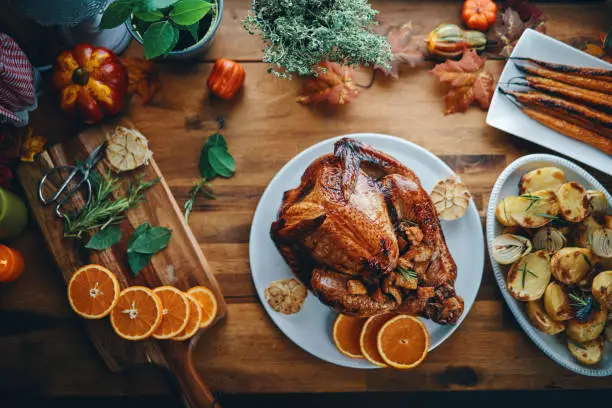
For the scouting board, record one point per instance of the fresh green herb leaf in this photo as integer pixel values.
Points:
(151, 241)
(117, 13)
(104, 239)
(160, 4)
(205, 169)
(221, 161)
(216, 139)
(199, 186)
(159, 39)
(582, 305)
(188, 12)
(587, 260)
(150, 16)
(533, 200)
(407, 273)
(576, 344)
(193, 30)
(544, 215)
(142, 228)
(525, 272)
(138, 261)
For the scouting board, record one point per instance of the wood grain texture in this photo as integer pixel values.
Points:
(265, 128)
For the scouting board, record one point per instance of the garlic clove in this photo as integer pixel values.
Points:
(451, 198)
(127, 149)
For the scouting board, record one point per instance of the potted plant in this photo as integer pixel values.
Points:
(176, 29)
(300, 34)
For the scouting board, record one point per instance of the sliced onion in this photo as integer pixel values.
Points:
(549, 239)
(602, 242)
(509, 248)
(597, 201)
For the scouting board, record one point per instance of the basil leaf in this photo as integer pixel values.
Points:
(104, 239)
(116, 13)
(151, 241)
(221, 161)
(207, 172)
(138, 261)
(216, 139)
(159, 4)
(193, 30)
(188, 12)
(158, 39)
(150, 16)
(174, 40)
(142, 228)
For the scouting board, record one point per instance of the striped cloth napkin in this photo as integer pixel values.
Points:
(17, 94)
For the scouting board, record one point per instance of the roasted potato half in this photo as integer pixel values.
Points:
(569, 265)
(544, 178)
(540, 319)
(535, 209)
(573, 202)
(589, 329)
(502, 212)
(602, 288)
(528, 277)
(589, 352)
(556, 302)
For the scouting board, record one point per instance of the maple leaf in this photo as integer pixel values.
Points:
(508, 29)
(142, 77)
(334, 83)
(32, 145)
(525, 9)
(469, 82)
(402, 51)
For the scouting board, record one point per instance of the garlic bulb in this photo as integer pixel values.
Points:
(549, 239)
(127, 149)
(451, 198)
(510, 248)
(597, 201)
(601, 242)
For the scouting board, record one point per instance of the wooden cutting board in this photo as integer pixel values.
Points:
(181, 264)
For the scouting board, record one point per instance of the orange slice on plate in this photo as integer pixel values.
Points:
(93, 291)
(175, 312)
(403, 342)
(346, 333)
(193, 323)
(209, 304)
(137, 314)
(369, 336)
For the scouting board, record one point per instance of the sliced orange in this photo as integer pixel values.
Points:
(209, 304)
(175, 312)
(403, 342)
(93, 291)
(346, 333)
(193, 324)
(369, 336)
(137, 314)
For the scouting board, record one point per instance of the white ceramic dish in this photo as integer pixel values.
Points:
(504, 115)
(507, 185)
(311, 327)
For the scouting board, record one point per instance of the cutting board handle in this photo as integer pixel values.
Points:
(195, 392)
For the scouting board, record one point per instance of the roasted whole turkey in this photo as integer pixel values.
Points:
(361, 232)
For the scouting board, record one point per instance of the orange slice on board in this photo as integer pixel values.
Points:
(93, 291)
(403, 342)
(193, 323)
(368, 339)
(209, 304)
(346, 333)
(175, 312)
(137, 314)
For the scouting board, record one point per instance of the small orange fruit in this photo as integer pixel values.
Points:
(346, 333)
(369, 336)
(403, 342)
(209, 304)
(93, 291)
(138, 313)
(175, 312)
(193, 324)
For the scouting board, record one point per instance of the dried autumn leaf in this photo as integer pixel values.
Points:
(334, 84)
(142, 77)
(32, 145)
(525, 9)
(509, 27)
(402, 51)
(469, 82)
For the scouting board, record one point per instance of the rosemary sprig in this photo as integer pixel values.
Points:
(533, 200)
(407, 273)
(101, 210)
(199, 186)
(582, 305)
(587, 260)
(526, 271)
(552, 217)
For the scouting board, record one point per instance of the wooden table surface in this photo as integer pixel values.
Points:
(43, 346)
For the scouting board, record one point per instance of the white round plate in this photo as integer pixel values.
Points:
(507, 185)
(311, 327)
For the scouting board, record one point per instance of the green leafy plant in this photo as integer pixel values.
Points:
(105, 238)
(145, 242)
(160, 22)
(300, 34)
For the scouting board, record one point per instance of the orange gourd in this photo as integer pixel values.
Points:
(226, 78)
(479, 14)
(11, 264)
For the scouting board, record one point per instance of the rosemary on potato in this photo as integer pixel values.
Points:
(533, 200)
(526, 271)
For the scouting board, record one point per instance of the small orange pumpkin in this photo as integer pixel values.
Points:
(479, 14)
(11, 264)
(226, 78)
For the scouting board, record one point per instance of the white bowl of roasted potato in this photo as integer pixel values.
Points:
(549, 232)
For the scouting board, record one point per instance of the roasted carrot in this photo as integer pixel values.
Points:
(596, 99)
(575, 120)
(595, 73)
(568, 129)
(587, 83)
(571, 108)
